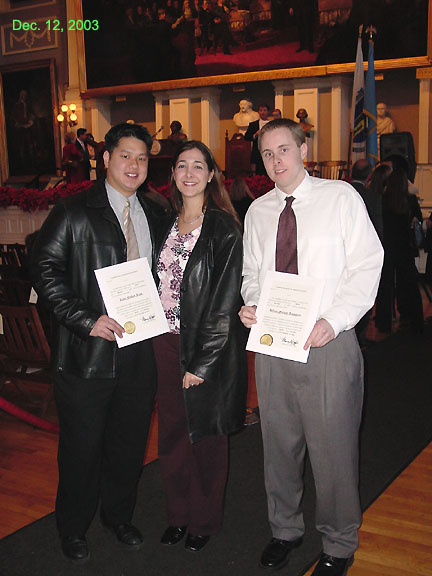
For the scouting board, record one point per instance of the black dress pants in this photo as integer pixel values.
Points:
(103, 434)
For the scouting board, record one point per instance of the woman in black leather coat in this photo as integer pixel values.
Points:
(202, 381)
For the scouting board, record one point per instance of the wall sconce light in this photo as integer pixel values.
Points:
(67, 115)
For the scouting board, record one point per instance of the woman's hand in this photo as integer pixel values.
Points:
(191, 380)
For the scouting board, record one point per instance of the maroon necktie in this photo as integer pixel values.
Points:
(286, 240)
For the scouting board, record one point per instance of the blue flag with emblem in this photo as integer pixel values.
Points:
(370, 105)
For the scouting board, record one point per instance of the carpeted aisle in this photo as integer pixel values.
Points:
(396, 427)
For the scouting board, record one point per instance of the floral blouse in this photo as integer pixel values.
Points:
(170, 268)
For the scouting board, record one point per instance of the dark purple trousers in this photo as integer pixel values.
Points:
(194, 475)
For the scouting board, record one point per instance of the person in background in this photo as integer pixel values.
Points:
(360, 174)
(72, 157)
(202, 382)
(81, 144)
(320, 229)
(400, 211)
(252, 133)
(98, 155)
(104, 394)
(177, 136)
(276, 114)
(241, 197)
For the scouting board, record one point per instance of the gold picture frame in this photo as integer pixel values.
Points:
(262, 75)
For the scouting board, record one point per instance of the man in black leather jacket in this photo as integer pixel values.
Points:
(104, 393)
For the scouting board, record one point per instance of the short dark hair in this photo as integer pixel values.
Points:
(125, 130)
(294, 127)
(361, 170)
(81, 131)
(264, 105)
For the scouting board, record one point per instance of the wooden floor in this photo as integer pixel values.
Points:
(395, 539)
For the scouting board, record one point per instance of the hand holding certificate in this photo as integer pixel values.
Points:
(131, 298)
(286, 313)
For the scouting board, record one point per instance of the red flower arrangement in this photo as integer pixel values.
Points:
(30, 200)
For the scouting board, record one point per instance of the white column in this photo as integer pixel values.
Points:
(159, 114)
(308, 98)
(100, 113)
(282, 87)
(76, 61)
(340, 107)
(210, 107)
(180, 109)
(424, 121)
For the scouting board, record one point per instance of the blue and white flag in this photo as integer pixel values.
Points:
(370, 107)
(358, 123)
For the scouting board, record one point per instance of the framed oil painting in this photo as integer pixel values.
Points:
(28, 100)
(182, 43)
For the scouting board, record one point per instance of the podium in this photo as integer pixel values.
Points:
(159, 171)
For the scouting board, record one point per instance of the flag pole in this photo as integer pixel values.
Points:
(370, 102)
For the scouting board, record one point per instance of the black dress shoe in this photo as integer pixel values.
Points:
(332, 566)
(127, 535)
(173, 535)
(75, 549)
(196, 543)
(276, 553)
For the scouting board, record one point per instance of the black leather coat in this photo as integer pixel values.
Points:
(211, 343)
(81, 234)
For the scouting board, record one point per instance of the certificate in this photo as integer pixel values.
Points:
(286, 313)
(130, 297)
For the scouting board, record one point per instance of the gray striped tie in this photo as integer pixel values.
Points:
(129, 230)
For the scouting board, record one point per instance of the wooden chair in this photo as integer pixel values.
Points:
(19, 250)
(331, 169)
(8, 258)
(24, 351)
(237, 156)
(310, 167)
(14, 292)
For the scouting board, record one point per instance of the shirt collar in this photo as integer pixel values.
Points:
(118, 200)
(299, 192)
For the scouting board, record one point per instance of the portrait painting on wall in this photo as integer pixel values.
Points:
(27, 101)
(144, 41)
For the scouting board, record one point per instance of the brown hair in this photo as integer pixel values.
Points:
(396, 195)
(239, 189)
(294, 127)
(214, 189)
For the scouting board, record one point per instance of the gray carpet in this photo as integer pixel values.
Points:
(397, 425)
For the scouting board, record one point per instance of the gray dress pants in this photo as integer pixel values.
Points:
(316, 406)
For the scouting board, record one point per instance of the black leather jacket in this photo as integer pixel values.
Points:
(211, 345)
(80, 234)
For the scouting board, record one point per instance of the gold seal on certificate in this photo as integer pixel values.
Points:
(266, 339)
(129, 327)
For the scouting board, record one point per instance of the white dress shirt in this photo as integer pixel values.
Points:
(336, 242)
(138, 217)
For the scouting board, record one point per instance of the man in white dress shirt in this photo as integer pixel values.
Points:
(316, 405)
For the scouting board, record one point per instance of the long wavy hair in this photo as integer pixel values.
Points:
(215, 189)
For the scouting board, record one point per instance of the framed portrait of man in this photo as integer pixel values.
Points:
(27, 126)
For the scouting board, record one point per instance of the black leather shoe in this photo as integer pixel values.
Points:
(196, 543)
(75, 549)
(332, 566)
(173, 535)
(127, 535)
(276, 553)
